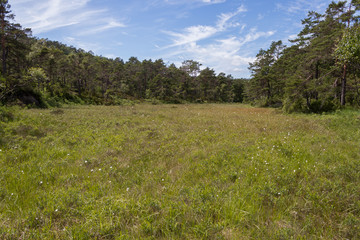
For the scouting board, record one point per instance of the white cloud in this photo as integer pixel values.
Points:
(303, 6)
(194, 34)
(106, 24)
(46, 15)
(225, 55)
(191, 1)
(213, 1)
(222, 55)
(94, 47)
(228, 54)
(224, 18)
(254, 35)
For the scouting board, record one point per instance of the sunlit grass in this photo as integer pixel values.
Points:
(179, 172)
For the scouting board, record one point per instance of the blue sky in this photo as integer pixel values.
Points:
(221, 34)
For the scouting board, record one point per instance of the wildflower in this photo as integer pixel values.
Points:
(127, 189)
(110, 167)
(99, 169)
(85, 161)
(41, 182)
(162, 179)
(56, 210)
(0, 150)
(294, 170)
(92, 170)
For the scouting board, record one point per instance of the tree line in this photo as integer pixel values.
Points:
(318, 72)
(43, 72)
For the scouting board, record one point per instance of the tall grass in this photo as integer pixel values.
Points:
(179, 172)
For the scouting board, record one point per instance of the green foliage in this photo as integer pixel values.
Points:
(6, 114)
(305, 77)
(46, 73)
(348, 49)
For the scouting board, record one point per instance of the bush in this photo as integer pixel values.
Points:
(6, 114)
(319, 106)
(294, 104)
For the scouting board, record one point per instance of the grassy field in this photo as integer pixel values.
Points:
(179, 172)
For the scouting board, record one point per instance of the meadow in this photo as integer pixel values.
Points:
(207, 171)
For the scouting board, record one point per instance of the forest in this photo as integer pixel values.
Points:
(319, 72)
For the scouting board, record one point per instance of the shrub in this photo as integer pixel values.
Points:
(6, 114)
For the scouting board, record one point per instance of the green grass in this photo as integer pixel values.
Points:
(179, 172)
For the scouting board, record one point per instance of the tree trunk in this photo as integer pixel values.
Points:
(343, 87)
(3, 45)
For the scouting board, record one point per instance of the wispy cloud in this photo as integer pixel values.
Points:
(87, 46)
(213, 1)
(191, 34)
(46, 15)
(106, 24)
(192, 1)
(225, 54)
(297, 6)
(196, 33)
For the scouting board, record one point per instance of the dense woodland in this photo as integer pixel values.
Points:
(318, 72)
